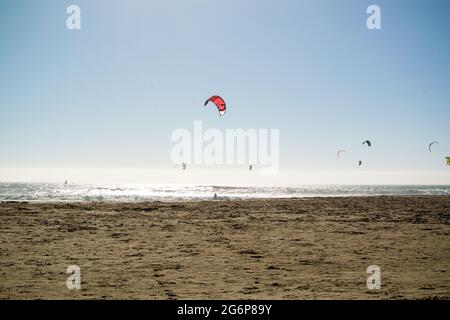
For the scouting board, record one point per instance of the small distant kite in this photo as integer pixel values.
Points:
(339, 153)
(448, 160)
(368, 143)
(429, 146)
(359, 163)
(219, 102)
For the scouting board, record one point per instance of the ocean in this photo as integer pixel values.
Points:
(43, 192)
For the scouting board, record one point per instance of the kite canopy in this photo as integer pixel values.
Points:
(219, 102)
(368, 143)
(429, 146)
(339, 153)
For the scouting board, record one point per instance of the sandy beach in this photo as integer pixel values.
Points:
(311, 248)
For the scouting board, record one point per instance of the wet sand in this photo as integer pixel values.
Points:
(314, 248)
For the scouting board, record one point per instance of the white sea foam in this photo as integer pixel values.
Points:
(142, 192)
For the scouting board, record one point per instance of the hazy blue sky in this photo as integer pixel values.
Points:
(110, 95)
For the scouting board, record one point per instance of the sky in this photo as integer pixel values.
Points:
(100, 103)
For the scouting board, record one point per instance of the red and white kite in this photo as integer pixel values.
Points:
(219, 102)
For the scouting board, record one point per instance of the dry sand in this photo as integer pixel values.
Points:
(316, 248)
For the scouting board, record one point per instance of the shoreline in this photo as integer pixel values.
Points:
(289, 248)
(140, 201)
(180, 193)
